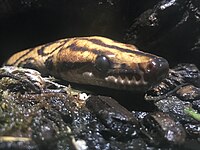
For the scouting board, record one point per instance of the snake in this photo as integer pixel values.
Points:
(96, 61)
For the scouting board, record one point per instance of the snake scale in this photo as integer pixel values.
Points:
(95, 61)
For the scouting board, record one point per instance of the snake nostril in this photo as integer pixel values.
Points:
(149, 67)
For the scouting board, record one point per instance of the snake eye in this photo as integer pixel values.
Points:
(102, 63)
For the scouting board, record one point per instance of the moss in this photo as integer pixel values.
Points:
(192, 113)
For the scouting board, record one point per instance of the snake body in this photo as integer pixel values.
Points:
(95, 61)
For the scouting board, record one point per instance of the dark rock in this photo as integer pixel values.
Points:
(188, 93)
(177, 92)
(114, 116)
(52, 119)
(176, 108)
(178, 96)
(16, 145)
(193, 130)
(164, 29)
(160, 129)
(179, 76)
(196, 105)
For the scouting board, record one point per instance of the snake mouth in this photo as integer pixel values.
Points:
(140, 78)
(127, 80)
(143, 76)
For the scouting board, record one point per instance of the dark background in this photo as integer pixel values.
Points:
(166, 28)
(27, 23)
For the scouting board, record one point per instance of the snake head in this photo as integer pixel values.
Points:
(103, 62)
(132, 76)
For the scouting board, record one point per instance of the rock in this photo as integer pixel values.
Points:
(163, 29)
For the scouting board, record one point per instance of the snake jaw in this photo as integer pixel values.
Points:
(131, 80)
(119, 81)
(126, 81)
(141, 76)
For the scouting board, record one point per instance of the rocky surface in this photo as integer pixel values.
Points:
(173, 31)
(38, 113)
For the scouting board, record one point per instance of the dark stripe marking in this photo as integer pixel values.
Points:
(41, 51)
(17, 60)
(29, 63)
(74, 47)
(49, 63)
(99, 42)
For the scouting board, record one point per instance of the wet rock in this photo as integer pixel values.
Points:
(178, 96)
(56, 117)
(163, 29)
(193, 130)
(179, 76)
(33, 117)
(160, 129)
(22, 80)
(188, 93)
(114, 116)
(17, 143)
(196, 105)
(176, 108)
